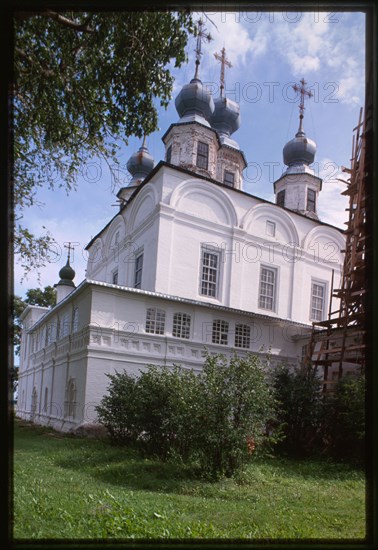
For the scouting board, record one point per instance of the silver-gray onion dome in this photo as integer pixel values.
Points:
(66, 274)
(226, 116)
(140, 164)
(194, 99)
(300, 150)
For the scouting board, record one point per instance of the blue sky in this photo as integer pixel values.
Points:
(268, 53)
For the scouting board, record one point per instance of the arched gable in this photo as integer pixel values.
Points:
(205, 201)
(325, 244)
(117, 227)
(254, 221)
(142, 206)
(96, 255)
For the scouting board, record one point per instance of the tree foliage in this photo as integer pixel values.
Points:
(83, 83)
(218, 417)
(344, 419)
(299, 394)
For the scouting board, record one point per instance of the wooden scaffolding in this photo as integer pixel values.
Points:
(338, 344)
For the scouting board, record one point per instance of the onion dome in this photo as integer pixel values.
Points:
(140, 164)
(194, 100)
(66, 274)
(226, 116)
(300, 150)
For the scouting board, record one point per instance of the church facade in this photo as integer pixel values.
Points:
(190, 263)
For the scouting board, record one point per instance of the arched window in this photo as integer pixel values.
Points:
(34, 402)
(70, 402)
(46, 399)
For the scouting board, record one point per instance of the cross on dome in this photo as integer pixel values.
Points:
(69, 248)
(224, 63)
(303, 92)
(201, 35)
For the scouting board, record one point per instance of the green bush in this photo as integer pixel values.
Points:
(165, 403)
(118, 410)
(299, 393)
(218, 417)
(344, 419)
(151, 410)
(235, 406)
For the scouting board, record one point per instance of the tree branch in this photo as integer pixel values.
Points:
(84, 27)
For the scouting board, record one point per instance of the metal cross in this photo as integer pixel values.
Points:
(303, 91)
(201, 35)
(224, 62)
(69, 247)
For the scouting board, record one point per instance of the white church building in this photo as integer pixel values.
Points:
(191, 262)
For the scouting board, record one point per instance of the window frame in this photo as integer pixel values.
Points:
(115, 276)
(181, 325)
(216, 253)
(272, 225)
(138, 270)
(311, 203)
(281, 196)
(323, 285)
(154, 321)
(75, 319)
(273, 270)
(204, 163)
(168, 154)
(229, 183)
(242, 338)
(220, 329)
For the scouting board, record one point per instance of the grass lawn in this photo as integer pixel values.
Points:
(69, 487)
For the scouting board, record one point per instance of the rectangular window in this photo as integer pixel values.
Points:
(65, 326)
(138, 271)
(181, 325)
(220, 332)
(270, 229)
(311, 200)
(115, 278)
(202, 155)
(229, 178)
(281, 198)
(75, 319)
(317, 301)
(169, 154)
(242, 335)
(155, 320)
(267, 292)
(209, 273)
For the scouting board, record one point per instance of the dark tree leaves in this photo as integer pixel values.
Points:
(84, 83)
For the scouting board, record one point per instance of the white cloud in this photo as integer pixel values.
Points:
(332, 204)
(304, 64)
(347, 90)
(310, 46)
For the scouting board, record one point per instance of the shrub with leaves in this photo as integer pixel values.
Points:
(235, 407)
(154, 410)
(218, 417)
(166, 401)
(344, 414)
(118, 410)
(299, 394)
